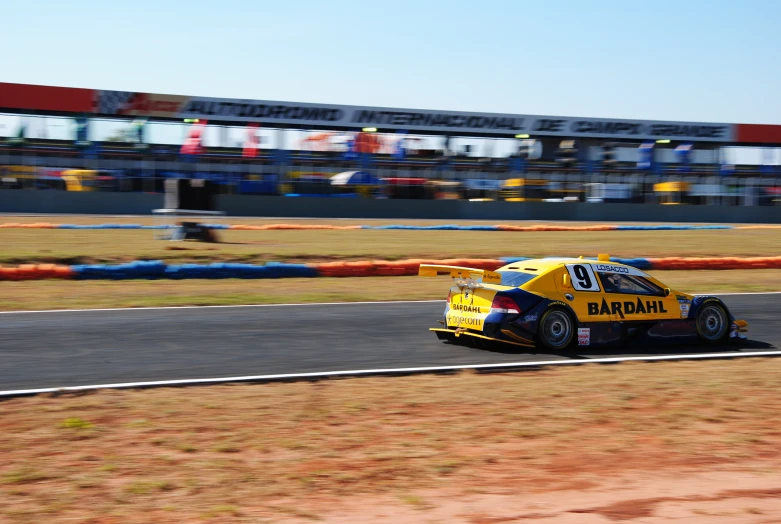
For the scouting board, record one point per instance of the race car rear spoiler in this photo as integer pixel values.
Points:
(488, 277)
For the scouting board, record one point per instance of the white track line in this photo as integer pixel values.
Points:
(391, 371)
(305, 304)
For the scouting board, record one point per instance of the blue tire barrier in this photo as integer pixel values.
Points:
(155, 269)
(670, 228)
(442, 227)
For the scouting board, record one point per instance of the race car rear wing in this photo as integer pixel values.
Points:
(488, 277)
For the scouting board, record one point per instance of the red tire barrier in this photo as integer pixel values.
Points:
(507, 227)
(690, 263)
(284, 227)
(396, 267)
(36, 272)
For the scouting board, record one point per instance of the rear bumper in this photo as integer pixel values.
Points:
(454, 334)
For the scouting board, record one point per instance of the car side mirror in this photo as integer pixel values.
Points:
(667, 291)
(565, 282)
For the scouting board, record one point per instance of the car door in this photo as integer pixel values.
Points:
(633, 297)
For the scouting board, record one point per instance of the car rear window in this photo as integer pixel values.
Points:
(515, 278)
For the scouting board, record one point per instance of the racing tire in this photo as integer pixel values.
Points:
(712, 323)
(556, 329)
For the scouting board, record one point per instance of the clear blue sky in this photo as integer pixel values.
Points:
(683, 60)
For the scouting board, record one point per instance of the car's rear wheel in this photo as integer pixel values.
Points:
(556, 329)
(712, 323)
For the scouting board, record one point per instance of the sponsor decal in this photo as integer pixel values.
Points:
(465, 321)
(624, 128)
(549, 125)
(530, 318)
(596, 127)
(262, 110)
(584, 336)
(465, 309)
(682, 300)
(689, 130)
(442, 120)
(138, 104)
(611, 269)
(684, 309)
(492, 277)
(627, 307)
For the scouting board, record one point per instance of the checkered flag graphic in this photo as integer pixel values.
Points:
(111, 102)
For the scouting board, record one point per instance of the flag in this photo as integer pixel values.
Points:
(251, 141)
(684, 155)
(19, 137)
(399, 151)
(137, 131)
(350, 153)
(82, 132)
(193, 144)
(645, 155)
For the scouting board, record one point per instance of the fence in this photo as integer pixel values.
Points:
(534, 186)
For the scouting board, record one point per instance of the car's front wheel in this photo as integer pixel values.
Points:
(556, 329)
(712, 323)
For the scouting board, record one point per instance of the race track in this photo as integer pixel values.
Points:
(74, 348)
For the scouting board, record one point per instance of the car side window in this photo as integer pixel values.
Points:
(630, 285)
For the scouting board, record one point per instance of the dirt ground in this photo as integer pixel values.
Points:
(693, 442)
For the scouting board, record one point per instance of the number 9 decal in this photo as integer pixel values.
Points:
(582, 276)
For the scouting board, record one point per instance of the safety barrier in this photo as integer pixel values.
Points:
(716, 263)
(272, 227)
(155, 269)
(438, 227)
(36, 272)
(396, 268)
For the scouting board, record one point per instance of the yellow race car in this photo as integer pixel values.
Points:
(557, 303)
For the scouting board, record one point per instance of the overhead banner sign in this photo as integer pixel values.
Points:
(354, 118)
(443, 121)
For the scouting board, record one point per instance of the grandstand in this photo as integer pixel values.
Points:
(58, 138)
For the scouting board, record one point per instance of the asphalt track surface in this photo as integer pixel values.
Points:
(75, 348)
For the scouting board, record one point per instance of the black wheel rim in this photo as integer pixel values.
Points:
(557, 329)
(712, 323)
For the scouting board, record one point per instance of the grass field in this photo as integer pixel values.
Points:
(114, 246)
(462, 448)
